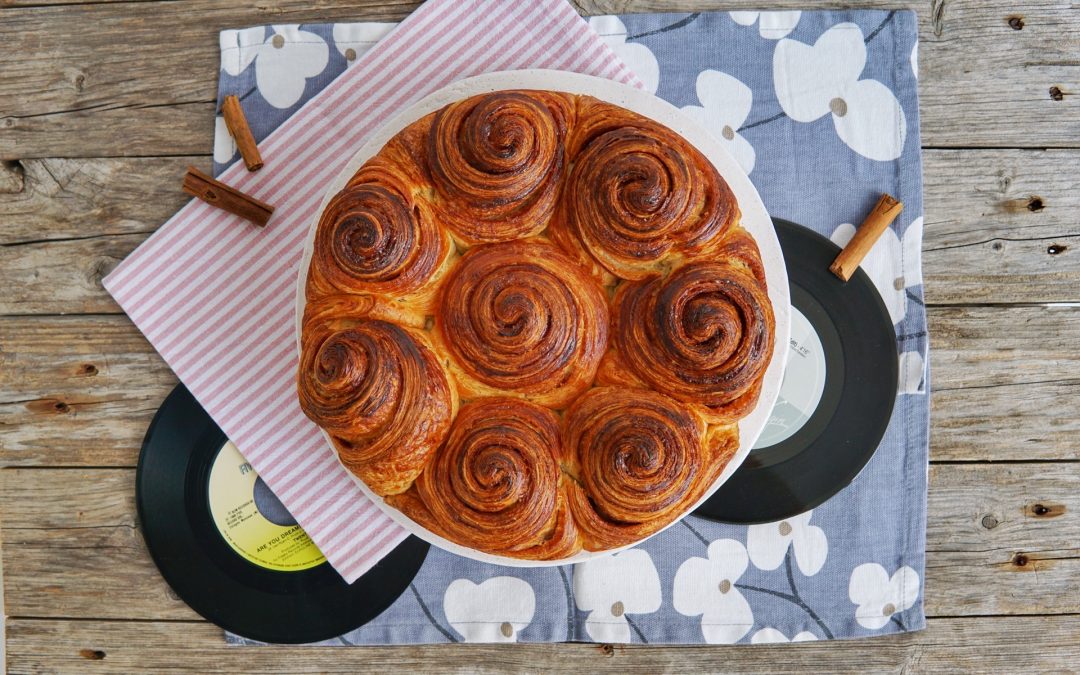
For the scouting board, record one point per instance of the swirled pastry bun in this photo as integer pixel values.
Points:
(496, 483)
(497, 162)
(639, 197)
(374, 239)
(380, 393)
(640, 459)
(521, 319)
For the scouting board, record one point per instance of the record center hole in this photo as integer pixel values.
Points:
(506, 629)
(271, 508)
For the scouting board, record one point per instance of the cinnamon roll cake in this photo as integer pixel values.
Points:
(533, 322)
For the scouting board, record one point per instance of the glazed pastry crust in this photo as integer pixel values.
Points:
(533, 322)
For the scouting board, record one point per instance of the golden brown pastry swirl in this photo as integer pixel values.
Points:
(638, 193)
(494, 484)
(381, 394)
(497, 162)
(521, 318)
(373, 239)
(704, 335)
(640, 462)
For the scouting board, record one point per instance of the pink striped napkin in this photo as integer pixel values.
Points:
(214, 295)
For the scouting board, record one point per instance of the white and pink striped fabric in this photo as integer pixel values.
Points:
(215, 296)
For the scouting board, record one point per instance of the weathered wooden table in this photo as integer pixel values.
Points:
(104, 102)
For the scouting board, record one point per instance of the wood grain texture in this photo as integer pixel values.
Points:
(77, 391)
(1000, 227)
(1004, 382)
(67, 532)
(75, 95)
(975, 645)
(52, 199)
(95, 142)
(69, 86)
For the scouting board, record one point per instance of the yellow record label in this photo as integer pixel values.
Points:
(252, 520)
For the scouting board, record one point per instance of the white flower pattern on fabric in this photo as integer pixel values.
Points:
(879, 596)
(772, 636)
(915, 60)
(637, 57)
(239, 48)
(286, 60)
(609, 588)
(767, 544)
(893, 266)
(353, 39)
(283, 61)
(493, 611)
(224, 145)
(814, 80)
(911, 249)
(706, 586)
(773, 25)
(725, 105)
(912, 374)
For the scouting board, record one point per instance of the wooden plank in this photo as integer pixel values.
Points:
(1000, 227)
(77, 390)
(49, 199)
(74, 95)
(62, 276)
(80, 391)
(1004, 383)
(995, 644)
(72, 549)
(1008, 529)
(79, 552)
(76, 90)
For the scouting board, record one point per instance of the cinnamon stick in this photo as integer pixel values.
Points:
(241, 132)
(216, 193)
(886, 211)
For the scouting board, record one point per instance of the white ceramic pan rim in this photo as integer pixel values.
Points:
(755, 219)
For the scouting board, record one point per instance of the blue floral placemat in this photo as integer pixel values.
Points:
(821, 109)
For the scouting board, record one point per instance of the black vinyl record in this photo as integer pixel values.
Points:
(837, 397)
(242, 562)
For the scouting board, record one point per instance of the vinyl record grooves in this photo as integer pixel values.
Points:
(837, 396)
(216, 550)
